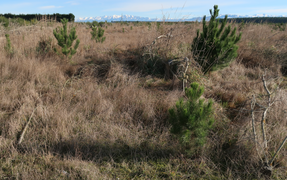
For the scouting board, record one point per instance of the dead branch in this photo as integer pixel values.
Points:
(270, 102)
(25, 129)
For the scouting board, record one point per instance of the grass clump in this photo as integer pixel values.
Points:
(44, 47)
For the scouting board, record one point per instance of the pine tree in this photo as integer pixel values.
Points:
(192, 119)
(66, 40)
(8, 47)
(98, 34)
(214, 48)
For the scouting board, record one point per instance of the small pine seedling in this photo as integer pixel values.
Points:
(66, 40)
(98, 34)
(192, 119)
(8, 48)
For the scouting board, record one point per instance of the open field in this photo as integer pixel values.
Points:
(103, 114)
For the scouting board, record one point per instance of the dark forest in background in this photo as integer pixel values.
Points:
(259, 20)
(29, 17)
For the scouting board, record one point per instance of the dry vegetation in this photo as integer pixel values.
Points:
(101, 116)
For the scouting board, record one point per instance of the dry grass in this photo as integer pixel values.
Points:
(99, 117)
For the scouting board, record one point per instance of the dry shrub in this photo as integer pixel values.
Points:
(44, 48)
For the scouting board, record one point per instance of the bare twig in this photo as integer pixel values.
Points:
(263, 121)
(183, 73)
(62, 91)
(280, 147)
(269, 104)
(162, 36)
(185, 77)
(26, 127)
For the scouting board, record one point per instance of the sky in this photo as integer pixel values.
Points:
(144, 8)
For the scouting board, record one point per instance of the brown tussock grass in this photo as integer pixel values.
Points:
(99, 116)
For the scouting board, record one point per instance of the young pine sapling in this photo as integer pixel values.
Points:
(66, 40)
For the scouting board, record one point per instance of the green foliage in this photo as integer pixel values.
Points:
(259, 20)
(154, 66)
(4, 21)
(192, 119)
(102, 24)
(131, 28)
(241, 26)
(158, 25)
(89, 24)
(138, 23)
(280, 26)
(34, 17)
(8, 48)
(95, 24)
(149, 25)
(33, 21)
(123, 30)
(19, 21)
(66, 40)
(98, 34)
(214, 48)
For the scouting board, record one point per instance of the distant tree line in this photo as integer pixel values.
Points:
(275, 20)
(258, 20)
(29, 17)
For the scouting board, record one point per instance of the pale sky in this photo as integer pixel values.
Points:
(144, 8)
